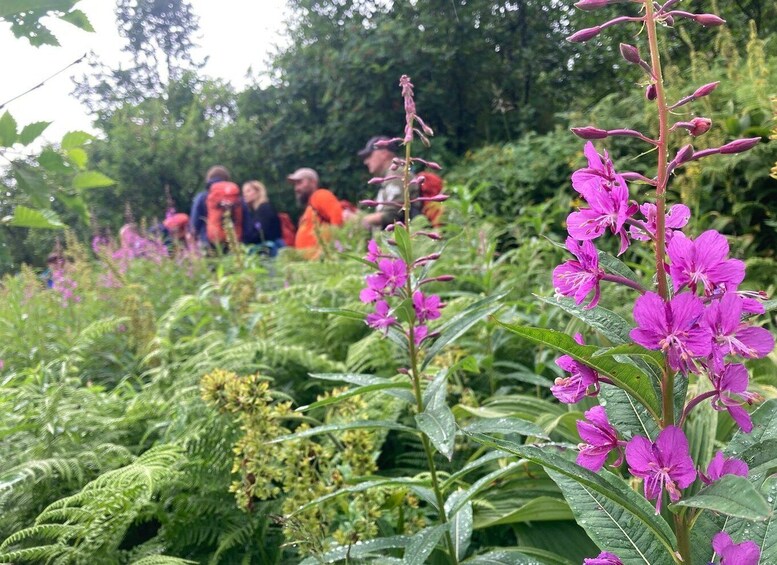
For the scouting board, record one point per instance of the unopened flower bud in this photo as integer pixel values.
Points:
(668, 20)
(369, 202)
(588, 5)
(684, 155)
(740, 145)
(651, 92)
(706, 89)
(590, 132)
(630, 53)
(584, 34)
(708, 20)
(699, 126)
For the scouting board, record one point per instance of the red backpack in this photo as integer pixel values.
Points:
(288, 231)
(431, 186)
(223, 198)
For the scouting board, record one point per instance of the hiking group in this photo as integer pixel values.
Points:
(224, 213)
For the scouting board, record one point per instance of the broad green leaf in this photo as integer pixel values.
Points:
(78, 19)
(439, 425)
(505, 426)
(761, 458)
(24, 217)
(764, 428)
(78, 157)
(7, 130)
(608, 323)
(614, 516)
(461, 322)
(764, 532)
(53, 161)
(31, 132)
(361, 487)
(460, 522)
(74, 139)
(518, 556)
(627, 415)
(30, 181)
(330, 428)
(541, 508)
(626, 376)
(633, 350)
(356, 392)
(617, 267)
(730, 495)
(423, 543)
(342, 312)
(361, 549)
(91, 179)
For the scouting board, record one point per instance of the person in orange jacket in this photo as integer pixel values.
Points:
(322, 209)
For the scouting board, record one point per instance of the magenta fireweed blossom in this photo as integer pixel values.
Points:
(600, 439)
(703, 262)
(381, 318)
(745, 553)
(665, 464)
(676, 217)
(426, 307)
(600, 171)
(731, 392)
(573, 388)
(609, 208)
(420, 333)
(674, 327)
(391, 276)
(373, 251)
(577, 279)
(720, 466)
(604, 558)
(731, 335)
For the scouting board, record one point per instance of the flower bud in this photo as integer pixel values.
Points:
(651, 92)
(706, 89)
(588, 5)
(630, 53)
(699, 126)
(740, 145)
(684, 155)
(590, 132)
(584, 34)
(708, 20)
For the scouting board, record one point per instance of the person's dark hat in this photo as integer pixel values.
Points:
(371, 146)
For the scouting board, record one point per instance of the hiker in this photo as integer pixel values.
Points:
(220, 198)
(261, 225)
(378, 156)
(322, 209)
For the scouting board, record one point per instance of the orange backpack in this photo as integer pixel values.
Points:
(431, 186)
(288, 231)
(223, 198)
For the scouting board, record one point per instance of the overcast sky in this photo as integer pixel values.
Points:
(234, 34)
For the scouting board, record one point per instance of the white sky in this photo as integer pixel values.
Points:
(234, 34)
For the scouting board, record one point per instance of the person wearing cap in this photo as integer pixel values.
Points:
(322, 209)
(378, 156)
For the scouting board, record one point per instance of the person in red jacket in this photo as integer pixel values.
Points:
(322, 209)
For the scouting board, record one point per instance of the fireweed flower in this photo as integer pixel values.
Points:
(573, 388)
(373, 251)
(676, 217)
(745, 553)
(577, 279)
(600, 439)
(420, 333)
(604, 558)
(391, 276)
(674, 327)
(731, 392)
(381, 318)
(732, 336)
(703, 262)
(663, 464)
(426, 307)
(600, 171)
(608, 208)
(720, 466)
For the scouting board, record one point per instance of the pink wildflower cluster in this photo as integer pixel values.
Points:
(65, 285)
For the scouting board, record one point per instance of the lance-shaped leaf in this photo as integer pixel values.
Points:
(505, 426)
(763, 532)
(609, 324)
(377, 387)
(460, 521)
(423, 543)
(358, 425)
(624, 375)
(730, 495)
(360, 549)
(439, 425)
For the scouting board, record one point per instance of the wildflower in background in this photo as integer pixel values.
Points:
(745, 553)
(703, 262)
(720, 466)
(676, 217)
(731, 335)
(577, 279)
(381, 319)
(426, 307)
(604, 558)
(574, 388)
(731, 392)
(674, 327)
(373, 251)
(600, 439)
(663, 464)
(608, 208)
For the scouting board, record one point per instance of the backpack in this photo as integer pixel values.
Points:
(288, 231)
(431, 186)
(223, 198)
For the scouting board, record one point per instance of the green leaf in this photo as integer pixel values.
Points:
(423, 543)
(632, 349)
(78, 157)
(342, 312)
(31, 132)
(461, 322)
(7, 130)
(542, 508)
(78, 19)
(359, 425)
(73, 139)
(12, 7)
(627, 415)
(439, 425)
(53, 161)
(486, 481)
(609, 324)
(460, 521)
(730, 495)
(626, 376)
(356, 392)
(30, 181)
(24, 217)
(764, 532)
(617, 267)
(362, 549)
(472, 465)
(91, 179)
(518, 556)
(403, 243)
(505, 426)
(615, 517)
